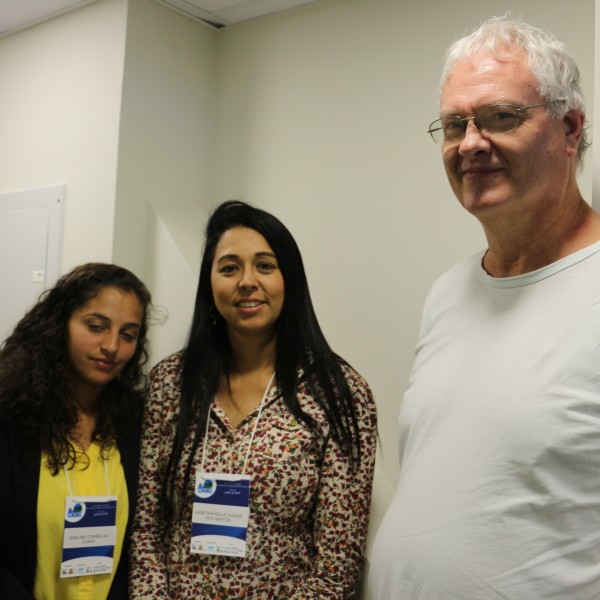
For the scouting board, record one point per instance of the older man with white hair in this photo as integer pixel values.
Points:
(499, 488)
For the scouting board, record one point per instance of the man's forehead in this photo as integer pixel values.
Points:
(497, 74)
(484, 61)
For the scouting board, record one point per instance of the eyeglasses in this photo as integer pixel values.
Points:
(497, 118)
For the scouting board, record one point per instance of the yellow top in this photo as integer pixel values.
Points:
(53, 491)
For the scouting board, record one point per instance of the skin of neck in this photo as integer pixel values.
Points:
(86, 399)
(252, 353)
(520, 244)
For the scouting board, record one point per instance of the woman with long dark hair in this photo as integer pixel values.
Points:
(71, 400)
(259, 441)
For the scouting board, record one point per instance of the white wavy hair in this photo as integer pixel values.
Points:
(551, 64)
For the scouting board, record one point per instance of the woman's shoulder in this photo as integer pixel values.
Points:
(353, 377)
(165, 386)
(15, 418)
(360, 390)
(6, 424)
(168, 368)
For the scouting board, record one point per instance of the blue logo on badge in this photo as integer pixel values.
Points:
(206, 488)
(75, 511)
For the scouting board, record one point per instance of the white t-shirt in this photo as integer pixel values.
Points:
(499, 488)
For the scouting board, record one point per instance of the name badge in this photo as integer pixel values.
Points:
(220, 514)
(89, 536)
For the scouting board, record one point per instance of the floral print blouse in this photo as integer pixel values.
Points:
(309, 511)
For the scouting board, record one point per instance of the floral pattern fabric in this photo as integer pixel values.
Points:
(309, 510)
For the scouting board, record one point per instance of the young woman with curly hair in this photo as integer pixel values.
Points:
(71, 396)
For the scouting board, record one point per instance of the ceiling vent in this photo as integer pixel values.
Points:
(195, 12)
(220, 13)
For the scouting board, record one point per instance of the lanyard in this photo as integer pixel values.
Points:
(105, 477)
(262, 402)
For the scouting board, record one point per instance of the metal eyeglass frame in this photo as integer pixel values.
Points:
(518, 109)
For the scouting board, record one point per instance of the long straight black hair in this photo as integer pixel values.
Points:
(301, 347)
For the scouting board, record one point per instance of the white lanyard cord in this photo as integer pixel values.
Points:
(105, 478)
(262, 403)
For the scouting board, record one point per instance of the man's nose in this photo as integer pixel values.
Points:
(474, 141)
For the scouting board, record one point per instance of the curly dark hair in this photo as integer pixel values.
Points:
(36, 395)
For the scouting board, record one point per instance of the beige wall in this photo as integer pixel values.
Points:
(165, 159)
(59, 118)
(594, 161)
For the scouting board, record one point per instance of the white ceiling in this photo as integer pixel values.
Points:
(18, 14)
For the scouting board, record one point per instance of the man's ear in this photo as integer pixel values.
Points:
(574, 121)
